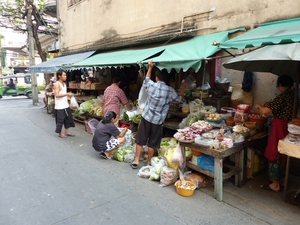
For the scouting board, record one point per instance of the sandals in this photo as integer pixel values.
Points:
(104, 156)
(267, 187)
(70, 135)
(62, 136)
(133, 165)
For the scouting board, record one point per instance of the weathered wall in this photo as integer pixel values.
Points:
(94, 24)
(91, 22)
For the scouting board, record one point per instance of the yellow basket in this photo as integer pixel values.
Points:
(185, 192)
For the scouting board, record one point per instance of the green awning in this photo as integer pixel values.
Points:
(190, 53)
(120, 58)
(279, 32)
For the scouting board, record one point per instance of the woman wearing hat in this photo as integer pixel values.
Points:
(107, 136)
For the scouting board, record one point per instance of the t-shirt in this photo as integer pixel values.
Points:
(282, 105)
(102, 134)
(113, 98)
(157, 104)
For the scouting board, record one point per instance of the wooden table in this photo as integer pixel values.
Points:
(219, 156)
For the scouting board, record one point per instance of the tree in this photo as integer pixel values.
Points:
(27, 16)
(14, 13)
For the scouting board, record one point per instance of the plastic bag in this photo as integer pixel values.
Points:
(206, 162)
(143, 95)
(177, 156)
(200, 180)
(92, 123)
(73, 103)
(168, 155)
(157, 167)
(168, 176)
(145, 171)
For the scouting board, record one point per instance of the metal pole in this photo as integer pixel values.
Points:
(31, 56)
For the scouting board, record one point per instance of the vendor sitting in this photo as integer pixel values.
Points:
(107, 136)
(10, 85)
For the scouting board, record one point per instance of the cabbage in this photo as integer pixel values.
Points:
(86, 107)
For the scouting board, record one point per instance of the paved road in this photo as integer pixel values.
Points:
(49, 180)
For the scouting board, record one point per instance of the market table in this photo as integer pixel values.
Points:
(291, 150)
(219, 155)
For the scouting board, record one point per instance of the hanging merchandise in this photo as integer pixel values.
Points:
(247, 81)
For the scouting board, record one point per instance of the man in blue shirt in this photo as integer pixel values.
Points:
(154, 114)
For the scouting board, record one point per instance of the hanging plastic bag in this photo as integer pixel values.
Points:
(143, 95)
(73, 103)
(177, 156)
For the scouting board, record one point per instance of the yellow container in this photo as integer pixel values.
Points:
(256, 164)
(183, 191)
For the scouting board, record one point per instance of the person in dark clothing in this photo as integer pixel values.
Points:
(107, 136)
(9, 86)
(282, 109)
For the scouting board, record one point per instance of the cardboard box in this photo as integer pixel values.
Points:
(82, 85)
(98, 86)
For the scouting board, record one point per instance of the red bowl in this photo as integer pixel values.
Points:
(256, 117)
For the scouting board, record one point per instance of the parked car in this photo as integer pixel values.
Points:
(22, 85)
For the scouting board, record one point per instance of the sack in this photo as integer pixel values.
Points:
(200, 180)
(73, 103)
(143, 95)
(168, 176)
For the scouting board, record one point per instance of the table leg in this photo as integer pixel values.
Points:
(287, 172)
(239, 165)
(218, 179)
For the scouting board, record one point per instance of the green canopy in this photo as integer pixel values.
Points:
(185, 54)
(190, 53)
(120, 58)
(278, 32)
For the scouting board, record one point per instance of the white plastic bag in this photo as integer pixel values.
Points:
(177, 156)
(73, 103)
(145, 172)
(143, 95)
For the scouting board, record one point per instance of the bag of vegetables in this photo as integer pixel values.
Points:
(157, 163)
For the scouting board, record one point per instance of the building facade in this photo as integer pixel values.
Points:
(86, 25)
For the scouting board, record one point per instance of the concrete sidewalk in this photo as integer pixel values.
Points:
(51, 180)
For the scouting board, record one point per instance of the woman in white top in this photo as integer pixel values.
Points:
(63, 115)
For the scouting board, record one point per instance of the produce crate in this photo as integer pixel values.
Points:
(97, 86)
(175, 107)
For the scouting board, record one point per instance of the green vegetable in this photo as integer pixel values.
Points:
(188, 152)
(86, 107)
(192, 118)
(136, 118)
(164, 143)
(125, 117)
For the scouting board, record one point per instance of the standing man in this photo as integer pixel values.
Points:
(114, 97)
(63, 115)
(154, 114)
